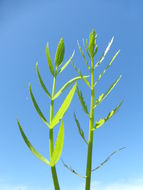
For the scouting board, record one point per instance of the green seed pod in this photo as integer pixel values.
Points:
(60, 53)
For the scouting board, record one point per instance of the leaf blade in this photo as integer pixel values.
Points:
(37, 107)
(31, 148)
(109, 116)
(80, 129)
(58, 146)
(66, 85)
(81, 99)
(49, 60)
(104, 54)
(62, 110)
(67, 63)
(103, 96)
(79, 73)
(41, 82)
(108, 66)
(107, 159)
(60, 53)
(86, 62)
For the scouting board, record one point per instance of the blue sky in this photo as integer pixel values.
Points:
(25, 28)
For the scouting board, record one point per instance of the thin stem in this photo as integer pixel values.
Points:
(91, 125)
(51, 143)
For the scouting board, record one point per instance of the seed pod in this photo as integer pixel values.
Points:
(60, 53)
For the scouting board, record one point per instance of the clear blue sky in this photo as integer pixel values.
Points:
(25, 28)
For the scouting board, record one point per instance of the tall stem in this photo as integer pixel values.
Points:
(51, 143)
(91, 125)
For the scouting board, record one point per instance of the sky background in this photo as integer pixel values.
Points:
(25, 28)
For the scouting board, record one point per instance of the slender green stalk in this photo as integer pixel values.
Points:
(51, 143)
(91, 126)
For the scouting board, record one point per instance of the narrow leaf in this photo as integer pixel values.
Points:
(80, 129)
(79, 73)
(60, 53)
(37, 107)
(58, 146)
(65, 86)
(110, 115)
(80, 96)
(59, 115)
(29, 145)
(100, 76)
(104, 54)
(66, 64)
(103, 96)
(49, 60)
(85, 47)
(72, 170)
(107, 159)
(41, 82)
(86, 62)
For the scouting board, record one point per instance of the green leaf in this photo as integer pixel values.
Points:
(100, 76)
(59, 115)
(95, 51)
(41, 82)
(107, 159)
(86, 48)
(37, 107)
(104, 54)
(79, 73)
(86, 62)
(80, 129)
(58, 146)
(103, 96)
(65, 86)
(66, 64)
(110, 115)
(49, 60)
(80, 96)
(60, 53)
(32, 149)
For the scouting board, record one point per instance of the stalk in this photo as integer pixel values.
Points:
(91, 125)
(51, 143)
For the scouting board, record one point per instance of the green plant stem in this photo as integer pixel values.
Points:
(51, 143)
(91, 125)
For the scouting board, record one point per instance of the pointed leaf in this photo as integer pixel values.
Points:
(37, 107)
(104, 54)
(86, 48)
(60, 53)
(41, 82)
(103, 96)
(84, 57)
(107, 159)
(100, 76)
(80, 96)
(59, 115)
(32, 149)
(66, 64)
(72, 170)
(95, 51)
(110, 115)
(49, 60)
(80, 129)
(58, 146)
(65, 86)
(79, 73)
